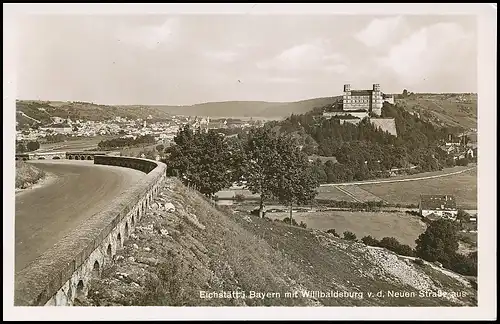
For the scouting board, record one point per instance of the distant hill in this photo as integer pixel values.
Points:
(448, 109)
(441, 109)
(31, 112)
(261, 109)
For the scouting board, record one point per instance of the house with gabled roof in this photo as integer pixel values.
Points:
(438, 206)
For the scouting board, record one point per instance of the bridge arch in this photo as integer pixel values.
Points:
(56, 158)
(41, 158)
(70, 157)
(119, 240)
(109, 251)
(80, 289)
(96, 270)
(89, 157)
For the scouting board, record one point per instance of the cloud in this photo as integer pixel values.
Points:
(277, 79)
(314, 55)
(379, 31)
(428, 51)
(149, 37)
(337, 68)
(224, 56)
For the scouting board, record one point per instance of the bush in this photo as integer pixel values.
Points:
(27, 175)
(239, 197)
(464, 264)
(350, 236)
(368, 240)
(286, 220)
(419, 262)
(303, 225)
(32, 146)
(392, 244)
(333, 231)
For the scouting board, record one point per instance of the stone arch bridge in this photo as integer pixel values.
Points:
(89, 155)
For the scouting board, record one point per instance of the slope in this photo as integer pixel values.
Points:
(444, 109)
(187, 252)
(260, 109)
(44, 110)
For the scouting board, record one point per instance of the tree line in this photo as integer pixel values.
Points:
(30, 146)
(269, 163)
(126, 141)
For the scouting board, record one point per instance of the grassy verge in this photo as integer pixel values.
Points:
(27, 175)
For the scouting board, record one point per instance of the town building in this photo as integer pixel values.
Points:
(438, 206)
(58, 128)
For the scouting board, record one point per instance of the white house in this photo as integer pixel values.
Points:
(433, 206)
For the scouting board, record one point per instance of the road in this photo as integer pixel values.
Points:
(396, 180)
(78, 190)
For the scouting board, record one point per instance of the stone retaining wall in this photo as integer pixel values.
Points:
(63, 272)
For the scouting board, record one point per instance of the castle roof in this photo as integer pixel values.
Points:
(361, 92)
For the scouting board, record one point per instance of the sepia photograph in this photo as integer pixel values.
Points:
(250, 161)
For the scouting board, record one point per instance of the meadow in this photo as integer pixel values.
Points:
(463, 186)
(405, 228)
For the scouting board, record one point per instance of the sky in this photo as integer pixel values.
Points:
(189, 59)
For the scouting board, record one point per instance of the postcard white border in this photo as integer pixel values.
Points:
(487, 38)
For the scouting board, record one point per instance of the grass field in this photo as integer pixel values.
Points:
(333, 193)
(403, 227)
(73, 145)
(463, 186)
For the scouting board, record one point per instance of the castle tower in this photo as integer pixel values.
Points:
(346, 101)
(377, 100)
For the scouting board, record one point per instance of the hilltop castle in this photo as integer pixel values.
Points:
(359, 100)
(360, 104)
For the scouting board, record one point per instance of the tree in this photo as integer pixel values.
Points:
(20, 147)
(212, 169)
(462, 216)
(297, 182)
(405, 93)
(32, 146)
(439, 242)
(199, 159)
(261, 164)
